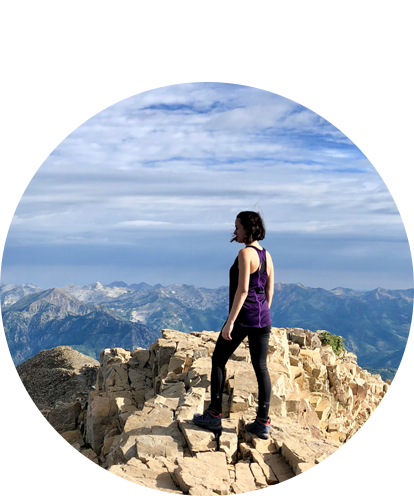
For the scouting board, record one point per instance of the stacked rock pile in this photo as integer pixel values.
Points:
(137, 422)
(341, 394)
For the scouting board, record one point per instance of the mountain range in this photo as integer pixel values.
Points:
(45, 319)
(10, 293)
(178, 306)
(374, 324)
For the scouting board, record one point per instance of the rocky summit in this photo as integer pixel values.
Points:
(60, 374)
(137, 420)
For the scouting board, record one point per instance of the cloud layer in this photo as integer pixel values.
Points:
(168, 170)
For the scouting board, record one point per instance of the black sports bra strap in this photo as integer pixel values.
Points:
(262, 266)
(251, 246)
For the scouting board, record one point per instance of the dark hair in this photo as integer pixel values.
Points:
(254, 225)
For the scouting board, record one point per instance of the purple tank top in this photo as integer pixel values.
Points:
(255, 310)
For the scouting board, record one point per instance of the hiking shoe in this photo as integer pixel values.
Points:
(260, 428)
(208, 420)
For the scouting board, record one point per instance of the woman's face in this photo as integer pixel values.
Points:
(239, 231)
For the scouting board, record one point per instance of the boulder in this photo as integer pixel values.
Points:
(64, 416)
(199, 473)
(101, 410)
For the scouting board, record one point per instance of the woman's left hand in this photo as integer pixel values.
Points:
(227, 330)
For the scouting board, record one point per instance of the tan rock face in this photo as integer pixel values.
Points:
(194, 474)
(190, 403)
(138, 422)
(101, 411)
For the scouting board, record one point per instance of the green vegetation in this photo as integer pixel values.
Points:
(385, 373)
(337, 342)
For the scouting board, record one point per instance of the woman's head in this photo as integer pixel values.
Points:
(249, 227)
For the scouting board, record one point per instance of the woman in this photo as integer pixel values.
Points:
(251, 293)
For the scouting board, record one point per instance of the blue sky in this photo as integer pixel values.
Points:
(148, 190)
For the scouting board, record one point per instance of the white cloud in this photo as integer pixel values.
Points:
(187, 158)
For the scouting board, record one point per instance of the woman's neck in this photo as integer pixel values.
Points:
(255, 243)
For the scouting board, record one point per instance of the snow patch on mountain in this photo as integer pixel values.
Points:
(96, 292)
(11, 293)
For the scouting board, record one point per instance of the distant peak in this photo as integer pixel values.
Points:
(118, 284)
(339, 290)
(54, 291)
(96, 285)
(51, 295)
(142, 286)
(282, 285)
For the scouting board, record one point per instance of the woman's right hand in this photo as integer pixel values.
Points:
(226, 331)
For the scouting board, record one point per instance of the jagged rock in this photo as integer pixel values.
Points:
(266, 469)
(323, 408)
(278, 351)
(206, 470)
(156, 434)
(190, 403)
(64, 416)
(173, 390)
(278, 464)
(198, 374)
(103, 409)
(259, 477)
(244, 480)
(244, 385)
(298, 336)
(200, 440)
(138, 420)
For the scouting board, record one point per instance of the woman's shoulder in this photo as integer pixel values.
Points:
(246, 255)
(269, 258)
(244, 252)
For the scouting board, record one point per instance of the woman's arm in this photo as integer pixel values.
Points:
(241, 293)
(270, 283)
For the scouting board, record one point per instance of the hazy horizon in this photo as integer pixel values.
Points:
(199, 287)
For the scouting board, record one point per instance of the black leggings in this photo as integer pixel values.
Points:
(258, 345)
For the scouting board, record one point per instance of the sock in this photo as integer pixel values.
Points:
(214, 412)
